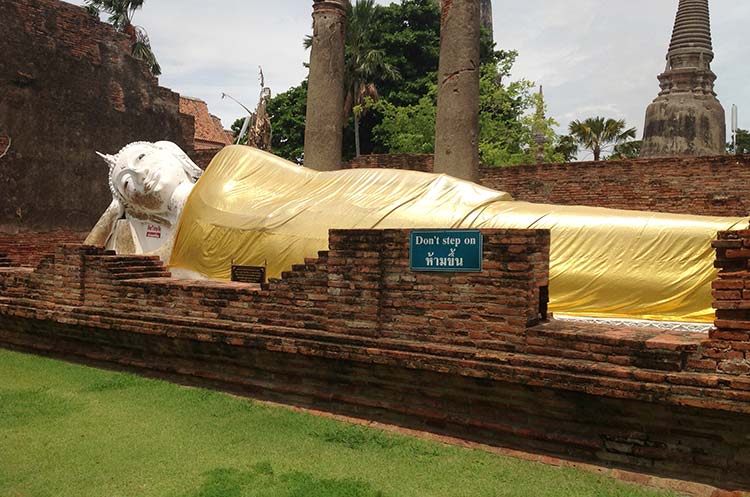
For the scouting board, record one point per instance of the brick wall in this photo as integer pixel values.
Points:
(729, 348)
(69, 87)
(715, 186)
(203, 157)
(353, 331)
(409, 162)
(28, 248)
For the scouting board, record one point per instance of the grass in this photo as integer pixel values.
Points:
(70, 431)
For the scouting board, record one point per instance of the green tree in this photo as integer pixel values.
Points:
(364, 64)
(408, 129)
(511, 117)
(626, 150)
(407, 34)
(287, 113)
(742, 143)
(597, 134)
(236, 128)
(567, 147)
(121, 14)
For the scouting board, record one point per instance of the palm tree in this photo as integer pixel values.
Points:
(363, 63)
(597, 133)
(121, 14)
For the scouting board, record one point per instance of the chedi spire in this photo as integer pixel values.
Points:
(686, 118)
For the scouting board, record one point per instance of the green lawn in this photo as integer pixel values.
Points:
(69, 431)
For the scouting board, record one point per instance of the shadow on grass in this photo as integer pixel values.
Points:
(261, 481)
(23, 407)
(114, 382)
(361, 438)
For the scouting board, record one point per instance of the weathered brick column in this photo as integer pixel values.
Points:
(457, 121)
(729, 347)
(325, 92)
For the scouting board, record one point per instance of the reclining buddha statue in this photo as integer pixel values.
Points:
(252, 208)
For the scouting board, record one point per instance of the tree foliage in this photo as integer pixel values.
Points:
(365, 64)
(287, 113)
(742, 145)
(567, 148)
(599, 134)
(626, 150)
(121, 13)
(408, 129)
(405, 37)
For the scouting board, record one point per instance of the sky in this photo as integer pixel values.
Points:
(594, 57)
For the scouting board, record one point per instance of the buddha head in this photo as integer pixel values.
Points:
(144, 177)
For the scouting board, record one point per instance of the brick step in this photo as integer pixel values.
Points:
(142, 275)
(622, 338)
(136, 269)
(552, 359)
(569, 374)
(113, 259)
(132, 262)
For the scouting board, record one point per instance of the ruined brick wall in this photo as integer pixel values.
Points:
(28, 248)
(728, 350)
(353, 331)
(69, 87)
(204, 156)
(715, 186)
(409, 162)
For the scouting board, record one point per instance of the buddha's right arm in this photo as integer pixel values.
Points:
(105, 226)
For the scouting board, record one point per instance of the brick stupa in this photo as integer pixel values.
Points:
(686, 119)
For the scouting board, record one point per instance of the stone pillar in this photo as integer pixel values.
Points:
(457, 122)
(325, 94)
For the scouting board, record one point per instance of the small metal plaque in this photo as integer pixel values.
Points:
(249, 274)
(446, 251)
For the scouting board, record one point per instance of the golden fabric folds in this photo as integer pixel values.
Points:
(253, 208)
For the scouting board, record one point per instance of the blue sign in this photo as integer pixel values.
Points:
(446, 251)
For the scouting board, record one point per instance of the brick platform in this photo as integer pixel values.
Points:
(354, 332)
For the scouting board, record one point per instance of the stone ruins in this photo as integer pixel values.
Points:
(686, 119)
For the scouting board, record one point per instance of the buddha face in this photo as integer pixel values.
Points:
(144, 176)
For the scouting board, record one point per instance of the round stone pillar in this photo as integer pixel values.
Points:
(457, 122)
(325, 93)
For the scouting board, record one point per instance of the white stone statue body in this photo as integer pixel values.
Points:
(150, 183)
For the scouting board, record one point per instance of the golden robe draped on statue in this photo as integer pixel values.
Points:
(253, 208)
